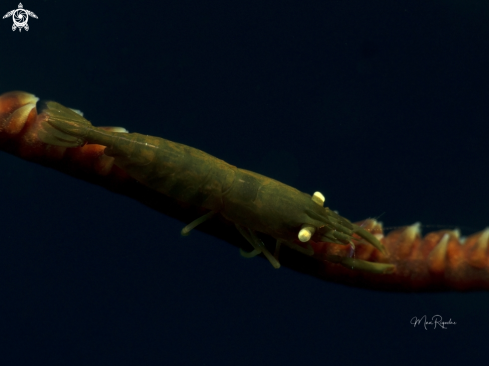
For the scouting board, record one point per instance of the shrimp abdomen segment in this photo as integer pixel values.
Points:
(179, 171)
(176, 170)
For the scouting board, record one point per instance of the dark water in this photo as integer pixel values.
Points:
(382, 106)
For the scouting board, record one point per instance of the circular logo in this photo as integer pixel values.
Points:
(20, 18)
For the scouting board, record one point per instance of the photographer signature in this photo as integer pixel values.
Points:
(435, 321)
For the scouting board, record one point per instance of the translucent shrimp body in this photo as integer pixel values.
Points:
(255, 203)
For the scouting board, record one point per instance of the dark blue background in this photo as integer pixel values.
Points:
(381, 105)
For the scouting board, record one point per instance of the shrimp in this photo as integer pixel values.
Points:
(184, 182)
(253, 202)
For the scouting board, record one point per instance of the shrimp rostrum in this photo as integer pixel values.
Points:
(253, 202)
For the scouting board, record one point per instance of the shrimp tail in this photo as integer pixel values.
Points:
(62, 126)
